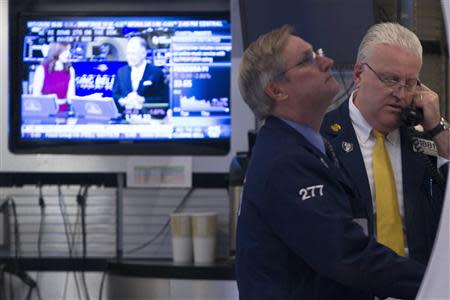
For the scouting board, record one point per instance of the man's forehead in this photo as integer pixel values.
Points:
(390, 51)
(297, 47)
(298, 42)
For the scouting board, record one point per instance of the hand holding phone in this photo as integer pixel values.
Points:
(427, 100)
(411, 116)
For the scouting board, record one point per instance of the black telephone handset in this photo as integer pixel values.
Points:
(411, 116)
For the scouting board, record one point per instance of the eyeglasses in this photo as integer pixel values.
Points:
(393, 81)
(308, 59)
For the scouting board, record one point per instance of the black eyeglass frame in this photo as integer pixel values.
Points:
(395, 84)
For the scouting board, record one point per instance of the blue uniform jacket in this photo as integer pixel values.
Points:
(295, 236)
(422, 198)
(152, 87)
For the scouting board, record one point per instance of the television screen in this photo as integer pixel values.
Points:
(121, 84)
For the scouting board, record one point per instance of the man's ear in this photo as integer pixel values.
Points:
(357, 71)
(274, 91)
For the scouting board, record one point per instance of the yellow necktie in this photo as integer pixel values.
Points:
(389, 224)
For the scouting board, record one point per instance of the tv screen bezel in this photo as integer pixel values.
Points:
(17, 145)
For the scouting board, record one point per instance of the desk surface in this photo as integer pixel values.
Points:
(220, 270)
(150, 268)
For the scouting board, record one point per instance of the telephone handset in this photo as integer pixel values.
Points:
(411, 116)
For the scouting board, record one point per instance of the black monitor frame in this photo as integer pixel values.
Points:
(18, 145)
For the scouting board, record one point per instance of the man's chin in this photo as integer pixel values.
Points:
(392, 125)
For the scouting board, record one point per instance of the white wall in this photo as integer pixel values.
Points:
(242, 121)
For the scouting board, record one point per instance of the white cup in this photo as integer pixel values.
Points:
(180, 227)
(204, 232)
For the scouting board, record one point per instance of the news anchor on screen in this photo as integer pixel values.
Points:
(139, 87)
(55, 75)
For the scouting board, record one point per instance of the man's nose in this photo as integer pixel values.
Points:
(400, 91)
(324, 63)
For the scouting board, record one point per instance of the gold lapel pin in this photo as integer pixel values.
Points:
(336, 127)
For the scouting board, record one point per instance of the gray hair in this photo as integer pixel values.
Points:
(261, 62)
(391, 34)
(139, 40)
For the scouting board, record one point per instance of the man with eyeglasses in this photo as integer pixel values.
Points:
(386, 77)
(296, 236)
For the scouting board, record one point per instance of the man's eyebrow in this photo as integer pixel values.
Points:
(304, 53)
(390, 74)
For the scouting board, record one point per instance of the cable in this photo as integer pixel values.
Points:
(67, 231)
(29, 294)
(430, 166)
(101, 286)
(81, 200)
(341, 76)
(346, 92)
(165, 226)
(38, 292)
(40, 231)
(15, 268)
(12, 204)
(41, 223)
(11, 288)
(16, 228)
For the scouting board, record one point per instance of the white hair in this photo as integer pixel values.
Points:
(391, 34)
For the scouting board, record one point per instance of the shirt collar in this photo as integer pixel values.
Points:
(141, 68)
(310, 134)
(363, 128)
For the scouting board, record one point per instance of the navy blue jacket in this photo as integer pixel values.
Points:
(295, 236)
(422, 200)
(152, 87)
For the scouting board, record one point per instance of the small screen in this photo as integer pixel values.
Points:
(124, 79)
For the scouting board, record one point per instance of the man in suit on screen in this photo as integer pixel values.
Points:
(140, 87)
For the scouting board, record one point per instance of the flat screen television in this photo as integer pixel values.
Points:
(73, 90)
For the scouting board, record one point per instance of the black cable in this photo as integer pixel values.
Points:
(38, 292)
(165, 226)
(65, 286)
(30, 293)
(81, 200)
(2, 281)
(11, 288)
(16, 228)
(434, 172)
(12, 204)
(346, 92)
(430, 166)
(67, 231)
(40, 234)
(341, 76)
(41, 223)
(15, 268)
(101, 286)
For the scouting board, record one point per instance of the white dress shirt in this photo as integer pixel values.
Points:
(136, 75)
